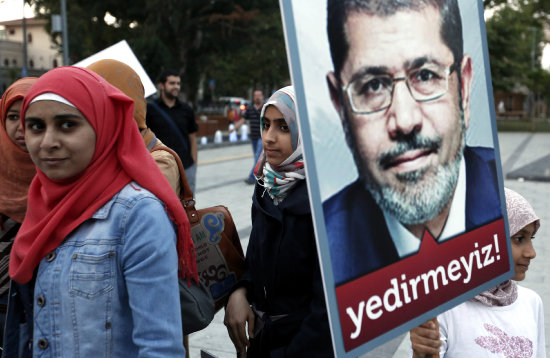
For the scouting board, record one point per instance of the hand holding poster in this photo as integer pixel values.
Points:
(399, 141)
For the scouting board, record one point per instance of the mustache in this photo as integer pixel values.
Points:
(412, 142)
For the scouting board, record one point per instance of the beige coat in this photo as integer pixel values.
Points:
(168, 166)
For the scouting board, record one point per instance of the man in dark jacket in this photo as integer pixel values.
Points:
(173, 122)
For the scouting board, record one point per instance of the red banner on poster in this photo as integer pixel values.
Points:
(382, 300)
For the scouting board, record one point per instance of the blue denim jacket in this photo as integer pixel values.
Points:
(110, 289)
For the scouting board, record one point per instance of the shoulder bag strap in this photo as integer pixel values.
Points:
(186, 195)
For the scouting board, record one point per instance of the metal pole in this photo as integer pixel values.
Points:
(24, 72)
(533, 45)
(65, 33)
(533, 50)
(531, 93)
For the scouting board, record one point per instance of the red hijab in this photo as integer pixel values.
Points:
(57, 207)
(17, 167)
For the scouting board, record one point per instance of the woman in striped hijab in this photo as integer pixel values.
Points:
(283, 284)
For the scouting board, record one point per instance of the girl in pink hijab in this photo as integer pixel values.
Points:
(505, 321)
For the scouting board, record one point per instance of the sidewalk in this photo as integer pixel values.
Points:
(220, 180)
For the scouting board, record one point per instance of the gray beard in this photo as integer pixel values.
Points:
(427, 191)
(426, 194)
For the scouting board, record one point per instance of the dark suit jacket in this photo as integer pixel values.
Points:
(358, 238)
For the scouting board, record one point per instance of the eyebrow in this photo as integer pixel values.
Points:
(523, 231)
(275, 119)
(369, 70)
(421, 61)
(384, 70)
(58, 117)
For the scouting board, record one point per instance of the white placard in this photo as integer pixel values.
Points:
(122, 52)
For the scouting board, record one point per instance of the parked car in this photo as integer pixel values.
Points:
(229, 107)
(234, 103)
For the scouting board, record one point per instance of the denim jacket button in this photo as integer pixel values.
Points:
(40, 301)
(50, 256)
(42, 343)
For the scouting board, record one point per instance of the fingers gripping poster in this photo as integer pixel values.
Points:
(396, 112)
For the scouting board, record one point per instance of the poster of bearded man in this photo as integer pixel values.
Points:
(397, 118)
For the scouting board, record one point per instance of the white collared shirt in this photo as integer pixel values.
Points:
(406, 243)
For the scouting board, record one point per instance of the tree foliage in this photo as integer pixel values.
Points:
(239, 44)
(515, 39)
(539, 8)
(539, 82)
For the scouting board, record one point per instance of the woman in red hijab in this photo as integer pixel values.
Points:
(98, 255)
(17, 167)
(15, 177)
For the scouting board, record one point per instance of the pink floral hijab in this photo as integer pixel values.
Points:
(520, 214)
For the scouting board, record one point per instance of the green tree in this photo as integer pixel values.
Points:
(514, 36)
(539, 82)
(255, 53)
(541, 8)
(240, 44)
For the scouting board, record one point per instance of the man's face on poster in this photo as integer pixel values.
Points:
(401, 105)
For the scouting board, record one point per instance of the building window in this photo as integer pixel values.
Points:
(12, 32)
(31, 63)
(14, 62)
(6, 62)
(55, 63)
(29, 37)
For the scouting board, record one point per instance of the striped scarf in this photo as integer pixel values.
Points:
(280, 180)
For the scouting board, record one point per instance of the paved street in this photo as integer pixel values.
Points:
(220, 180)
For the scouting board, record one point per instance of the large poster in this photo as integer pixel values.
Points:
(396, 113)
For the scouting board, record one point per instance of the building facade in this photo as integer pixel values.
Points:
(42, 54)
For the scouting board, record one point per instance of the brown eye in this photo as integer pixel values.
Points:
(34, 126)
(67, 124)
(518, 239)
(426, 75)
